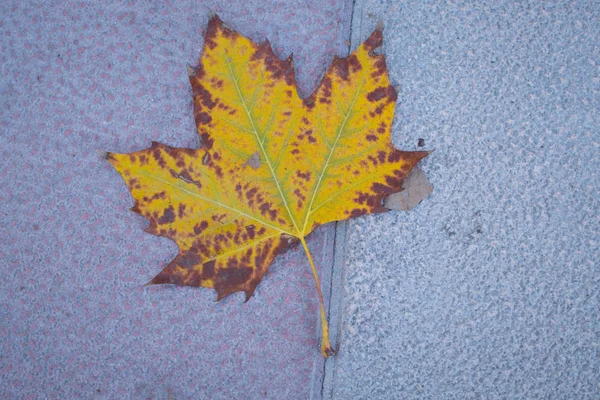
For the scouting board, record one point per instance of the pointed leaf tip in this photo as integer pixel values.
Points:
(108, 156)
(249, 294)
(374, 42)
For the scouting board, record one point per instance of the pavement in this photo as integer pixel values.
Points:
(488, 289)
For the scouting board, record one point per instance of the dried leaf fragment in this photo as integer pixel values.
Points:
(415, 188)
(325, 158)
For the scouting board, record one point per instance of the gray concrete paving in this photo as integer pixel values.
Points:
(489, 288)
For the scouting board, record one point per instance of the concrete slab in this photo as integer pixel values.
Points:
(78, 77)
(489, 288)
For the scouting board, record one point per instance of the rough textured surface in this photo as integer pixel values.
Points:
(489, 288)
(75, 321)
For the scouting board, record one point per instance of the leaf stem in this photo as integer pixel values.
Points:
(326, 348)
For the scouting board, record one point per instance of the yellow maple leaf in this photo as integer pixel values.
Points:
(272, 166)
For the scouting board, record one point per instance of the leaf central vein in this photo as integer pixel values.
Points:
(261, 145)
(331, 151)
(218, 203)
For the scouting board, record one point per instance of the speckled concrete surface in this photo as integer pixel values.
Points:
(75, 321)
(489, 288)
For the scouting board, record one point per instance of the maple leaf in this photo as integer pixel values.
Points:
(272, 166)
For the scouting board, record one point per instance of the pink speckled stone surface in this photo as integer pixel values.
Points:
(77, 78)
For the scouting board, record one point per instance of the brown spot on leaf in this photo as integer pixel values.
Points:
(303, 175)
(238, 190)
(250, 195)
(218, 217)
(381, 189)
(354, 63)
(371, 138)
(395, 156)
(181, 210)
(381, 93)
(261, 255)
(378, 110)
(133, 183)
(167, 217)
(188, 260)
(245, 260)
(202, 95)
(265, 209)
(340, 65)
(251, 230)
(379, 67)
(202, 246)
(236, 237)
(158, 195)
(232, 278)
(309, 103)
(260, 198)
(198, 228)
(366, 199)
(357, 212)
(326, 85)
(207, 141)
(393, 182)
(300, 198)
(208, 269)
(157, 155)
(203, 119)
